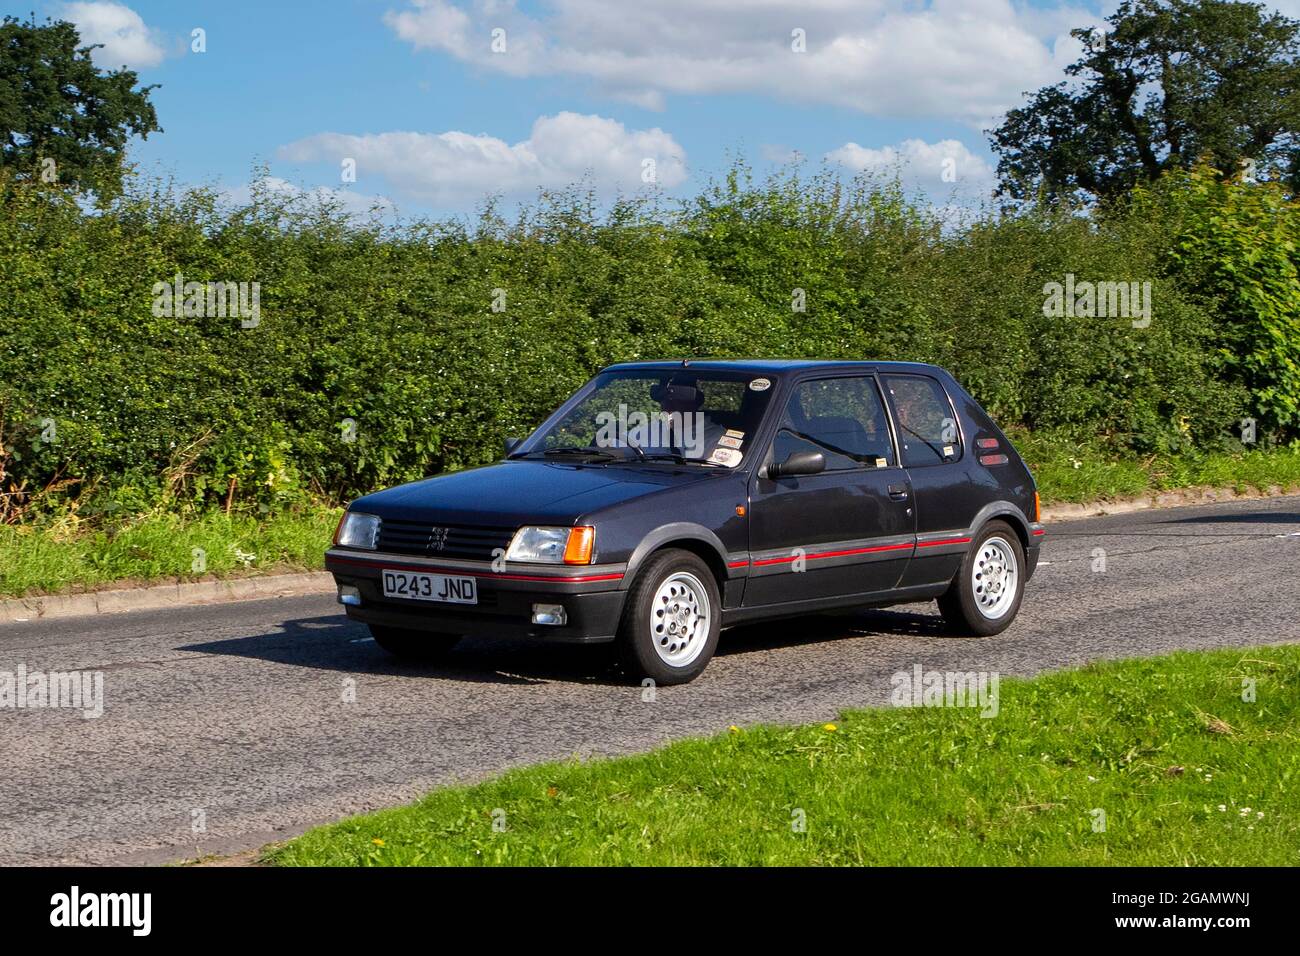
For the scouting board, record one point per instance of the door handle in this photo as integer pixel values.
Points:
(898, 492)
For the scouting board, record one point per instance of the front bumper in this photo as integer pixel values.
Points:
(592, 597)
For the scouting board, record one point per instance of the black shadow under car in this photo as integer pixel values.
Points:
(665, 501)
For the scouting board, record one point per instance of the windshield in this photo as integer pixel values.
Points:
(678, 414)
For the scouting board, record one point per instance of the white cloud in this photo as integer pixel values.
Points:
(125, 38)
(352, 203)
(457, 169)
(431, 26)
(934, 167)
(965, 60)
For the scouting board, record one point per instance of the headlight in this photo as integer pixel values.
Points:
(358, 531)
(552, 545)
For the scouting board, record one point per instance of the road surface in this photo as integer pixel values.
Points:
(230, 726)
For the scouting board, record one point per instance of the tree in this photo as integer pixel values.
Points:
(1170, 84)
(62, 119)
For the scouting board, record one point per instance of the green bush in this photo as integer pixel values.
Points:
(386, 334)
(1238, 246)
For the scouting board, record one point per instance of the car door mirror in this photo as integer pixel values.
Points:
(512, 444)
(798, 463)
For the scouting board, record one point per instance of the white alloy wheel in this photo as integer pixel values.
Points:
(994, 574)
(680, 618)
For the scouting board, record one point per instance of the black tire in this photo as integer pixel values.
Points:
(413, 645)
(641, 620)
(960, 606)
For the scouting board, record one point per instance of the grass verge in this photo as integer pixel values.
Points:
(1185, 771)
(1070, 474)
(56, 558)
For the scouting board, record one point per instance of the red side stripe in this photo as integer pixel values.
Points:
(935, 544)
(831, 554)
(380, 564)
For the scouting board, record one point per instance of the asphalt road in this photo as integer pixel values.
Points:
(237, 717)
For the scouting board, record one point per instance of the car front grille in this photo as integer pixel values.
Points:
(472, 542)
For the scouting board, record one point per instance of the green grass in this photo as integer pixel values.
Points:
(1165, 746)
(56, 557)
(1067, 473)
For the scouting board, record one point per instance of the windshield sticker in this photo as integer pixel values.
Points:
(730, 442)
(760, 385)
(726, 456)
(732, 433)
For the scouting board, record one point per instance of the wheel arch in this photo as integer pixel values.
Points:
(1003, 511)
(687, 536)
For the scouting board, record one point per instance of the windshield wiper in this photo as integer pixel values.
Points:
(680, 459)
(575, 450)
(603, 454)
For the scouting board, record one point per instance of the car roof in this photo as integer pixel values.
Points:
(779, 366)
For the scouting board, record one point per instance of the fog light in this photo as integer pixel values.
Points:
(550, 614)
(350, 596)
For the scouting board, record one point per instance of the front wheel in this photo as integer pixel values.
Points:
(413, 645)
(985, 596)
(671, 619)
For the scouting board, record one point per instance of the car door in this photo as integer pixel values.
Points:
(933, 453)
(847, 530)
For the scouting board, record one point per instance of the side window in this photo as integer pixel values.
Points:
(927, 429)
(843, 418)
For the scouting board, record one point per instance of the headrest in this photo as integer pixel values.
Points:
(679, 397)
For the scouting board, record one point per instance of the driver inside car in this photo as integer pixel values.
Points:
(684, 428)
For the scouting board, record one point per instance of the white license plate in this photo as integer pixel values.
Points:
(445, 588)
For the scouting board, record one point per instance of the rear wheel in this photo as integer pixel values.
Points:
(413, 645)
(985, 596)
(671, 619)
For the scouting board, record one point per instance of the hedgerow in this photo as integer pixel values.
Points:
(389, 351)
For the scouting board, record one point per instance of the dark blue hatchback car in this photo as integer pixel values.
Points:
(665, 501)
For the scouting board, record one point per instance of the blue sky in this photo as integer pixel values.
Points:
(434, 119)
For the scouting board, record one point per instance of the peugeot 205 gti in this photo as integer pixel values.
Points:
(665, 501)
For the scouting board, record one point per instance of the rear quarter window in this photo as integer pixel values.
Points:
(927, 427)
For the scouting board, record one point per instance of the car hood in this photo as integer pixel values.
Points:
(523, 492)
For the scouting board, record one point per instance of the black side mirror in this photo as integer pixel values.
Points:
(798, 463)
(512, 444)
